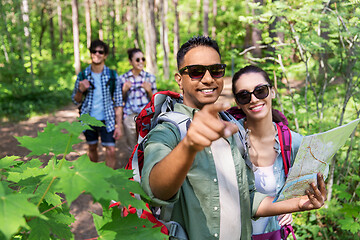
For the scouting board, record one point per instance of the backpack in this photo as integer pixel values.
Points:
(158, 110)
(284, 135)
(111, 82)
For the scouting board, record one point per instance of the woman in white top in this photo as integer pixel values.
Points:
(253, 93)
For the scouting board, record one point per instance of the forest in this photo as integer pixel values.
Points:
(311, 49)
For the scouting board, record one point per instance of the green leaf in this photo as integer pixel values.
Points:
(13, 208)
(50, 140)
(350, 225)
(83, 175)
(87, 119)
(134, 227)
(8, 161)
(121, 183)
(26, 170)
(41, 229)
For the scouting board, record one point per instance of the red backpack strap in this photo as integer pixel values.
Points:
(284, 135)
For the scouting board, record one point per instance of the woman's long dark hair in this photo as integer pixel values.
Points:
(277, 116)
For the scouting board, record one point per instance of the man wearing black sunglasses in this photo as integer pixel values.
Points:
(203, 176)
(98, 91)
(138, 87)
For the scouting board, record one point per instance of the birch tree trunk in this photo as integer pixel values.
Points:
(164, 38)
(60, 23)
(176, 28)
(214, 11)
(25, 16)
(150, 35)
(99, 19)
(206, 17)
(256, 33)
(88, 22)
(112, 28)
(75, 23)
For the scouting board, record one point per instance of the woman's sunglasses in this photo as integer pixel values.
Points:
(198, 71)
(97, 51)
(138, 59)
(260, 92)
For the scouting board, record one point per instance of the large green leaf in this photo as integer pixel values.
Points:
(13, 208)
(51, 140)
(87, 119)
(8, 161)
(83, 175)
(130, 227)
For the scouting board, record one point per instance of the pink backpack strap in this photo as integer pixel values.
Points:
(285, 145)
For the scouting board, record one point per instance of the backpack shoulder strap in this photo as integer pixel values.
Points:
(284, 135)
(180, 120)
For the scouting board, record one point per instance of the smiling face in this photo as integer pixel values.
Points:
(256, 109)
(98, 56)
(199, 92)
(137, 65)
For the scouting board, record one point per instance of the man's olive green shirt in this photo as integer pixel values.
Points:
(196, 204)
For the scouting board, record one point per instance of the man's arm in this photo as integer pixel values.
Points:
(82, 87)
(167, 176)
(312, 200)
(118, 132)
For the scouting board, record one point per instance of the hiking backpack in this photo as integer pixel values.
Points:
(159, 109)
(111, 83)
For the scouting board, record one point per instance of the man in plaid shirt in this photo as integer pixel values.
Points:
(138, 88)
(93, 90)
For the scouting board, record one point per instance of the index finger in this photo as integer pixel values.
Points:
(215, 108)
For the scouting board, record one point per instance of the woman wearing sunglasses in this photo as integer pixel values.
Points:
(138, 87)
(253, 93)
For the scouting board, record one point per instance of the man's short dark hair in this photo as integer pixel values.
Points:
(98, 43)
(132, 51)
(195, 42)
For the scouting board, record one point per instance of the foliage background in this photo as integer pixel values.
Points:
(309, 48)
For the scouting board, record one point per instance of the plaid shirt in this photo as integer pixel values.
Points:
(137, 97)
(108, 102)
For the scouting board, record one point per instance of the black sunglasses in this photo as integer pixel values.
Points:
(97, 51)
(198, 71)
(260, 92)
(138, 59)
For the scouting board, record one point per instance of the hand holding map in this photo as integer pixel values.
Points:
(314, 155)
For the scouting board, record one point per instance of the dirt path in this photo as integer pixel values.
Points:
(83, 227)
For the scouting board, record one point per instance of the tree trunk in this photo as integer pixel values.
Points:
(137, 41)
(43, 28)
(164, 38)
(88, 22)
(99, 18)
(256, 32)
(206, 17)
(214, 11)
(199, 22)
(60, 23)
(150, 35)
(112, 29)
(176, 28)
(4, 50)
(25, 15)
(51, 31)
(75, 23)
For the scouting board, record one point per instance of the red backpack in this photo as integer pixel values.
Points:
(159, 109)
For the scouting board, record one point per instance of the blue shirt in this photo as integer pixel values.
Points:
(108, 102)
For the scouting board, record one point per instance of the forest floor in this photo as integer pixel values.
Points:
(83, 227)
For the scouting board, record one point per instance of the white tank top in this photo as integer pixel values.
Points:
(265, 183)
